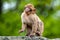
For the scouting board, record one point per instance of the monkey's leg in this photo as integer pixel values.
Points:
(28, 31)
(38, 33)
(40, 29)
(34, 29)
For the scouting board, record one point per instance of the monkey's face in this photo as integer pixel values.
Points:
(28, 9)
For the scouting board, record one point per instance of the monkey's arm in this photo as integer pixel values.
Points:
(23, 24)
(34, 28)
(23, 28)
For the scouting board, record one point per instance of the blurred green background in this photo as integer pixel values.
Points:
(47, 10)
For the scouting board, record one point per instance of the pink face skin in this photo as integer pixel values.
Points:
(27, 9)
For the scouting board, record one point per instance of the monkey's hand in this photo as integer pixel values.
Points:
(32, 35)
(20, 31)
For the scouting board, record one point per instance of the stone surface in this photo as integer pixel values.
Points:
(24, 38)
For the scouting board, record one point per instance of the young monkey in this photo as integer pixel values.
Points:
(31, 22)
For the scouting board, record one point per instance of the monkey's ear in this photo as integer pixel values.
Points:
(34, 11)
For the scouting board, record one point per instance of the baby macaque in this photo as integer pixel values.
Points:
(31, 22)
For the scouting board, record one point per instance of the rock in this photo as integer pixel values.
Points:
(25, 38)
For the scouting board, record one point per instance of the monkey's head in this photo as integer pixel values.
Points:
(29, 8)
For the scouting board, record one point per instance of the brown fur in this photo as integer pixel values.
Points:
(31, 21)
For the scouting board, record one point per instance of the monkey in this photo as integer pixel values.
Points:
(31, 22)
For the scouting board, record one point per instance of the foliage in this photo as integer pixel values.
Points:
(10, 20)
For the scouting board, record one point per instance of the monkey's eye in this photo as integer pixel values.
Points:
(30, 9)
